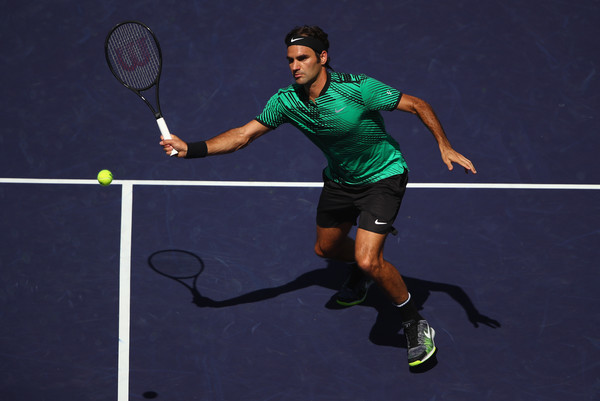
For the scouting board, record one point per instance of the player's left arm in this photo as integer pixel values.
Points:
(425, 112)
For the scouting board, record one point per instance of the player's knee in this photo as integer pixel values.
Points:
(324, 251)
(368, 264)
(320, 251)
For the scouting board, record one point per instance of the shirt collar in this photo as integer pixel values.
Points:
(302, 93)
(326, 84)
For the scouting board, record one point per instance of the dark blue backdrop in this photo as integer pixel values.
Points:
(514, 83)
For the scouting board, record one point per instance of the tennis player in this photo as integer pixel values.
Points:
(366, 175)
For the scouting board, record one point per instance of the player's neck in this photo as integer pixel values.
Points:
(314, 88)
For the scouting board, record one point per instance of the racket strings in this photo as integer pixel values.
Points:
(134, 56)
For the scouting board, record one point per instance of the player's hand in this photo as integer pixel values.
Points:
(450, 156)
(174, 143)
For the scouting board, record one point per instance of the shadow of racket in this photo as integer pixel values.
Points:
(181, 266)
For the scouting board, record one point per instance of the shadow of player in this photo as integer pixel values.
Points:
(388, 325)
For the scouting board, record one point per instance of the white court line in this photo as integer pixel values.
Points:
(125, 292)
(126, 231)
(283, 184)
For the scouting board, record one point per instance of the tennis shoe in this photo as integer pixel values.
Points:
(419, 340)
(355, 288)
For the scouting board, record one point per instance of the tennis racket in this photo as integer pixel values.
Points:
(135, 59)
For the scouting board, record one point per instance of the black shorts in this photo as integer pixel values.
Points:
(377, 204)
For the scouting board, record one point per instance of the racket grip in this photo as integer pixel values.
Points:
(164, 130)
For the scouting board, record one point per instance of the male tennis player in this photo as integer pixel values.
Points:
(366, 174)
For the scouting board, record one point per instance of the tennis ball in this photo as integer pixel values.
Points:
(105, 177)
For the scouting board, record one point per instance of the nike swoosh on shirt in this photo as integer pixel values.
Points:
(380, 223)
(339, 110)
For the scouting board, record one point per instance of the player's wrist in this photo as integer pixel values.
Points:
(444, 146)
(196, 150)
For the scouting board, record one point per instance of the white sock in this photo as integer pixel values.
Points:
(403, 303)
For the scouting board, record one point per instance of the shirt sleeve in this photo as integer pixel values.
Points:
(379, 96)
(272, 115)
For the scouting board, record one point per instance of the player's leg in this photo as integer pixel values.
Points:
(379, 209)
(369, 256)
(336, 215)
(334, 243)
(379, 204)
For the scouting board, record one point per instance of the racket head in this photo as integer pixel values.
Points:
(133, 55)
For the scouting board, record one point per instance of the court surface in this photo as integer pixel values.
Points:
(502, 264)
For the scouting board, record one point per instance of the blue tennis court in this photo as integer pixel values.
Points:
(503, 264)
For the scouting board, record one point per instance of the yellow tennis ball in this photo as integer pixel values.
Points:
(105, 177)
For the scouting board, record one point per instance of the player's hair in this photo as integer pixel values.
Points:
(312, 31)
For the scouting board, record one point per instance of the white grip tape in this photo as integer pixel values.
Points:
(164, 130)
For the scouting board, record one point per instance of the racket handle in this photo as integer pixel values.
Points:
(164, 130)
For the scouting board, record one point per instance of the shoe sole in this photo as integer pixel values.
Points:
(360, 301)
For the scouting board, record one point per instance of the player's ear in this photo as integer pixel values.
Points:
(323, 57)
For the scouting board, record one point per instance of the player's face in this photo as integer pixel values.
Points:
(304, 64)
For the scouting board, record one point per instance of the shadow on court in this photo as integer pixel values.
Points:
(186, 267)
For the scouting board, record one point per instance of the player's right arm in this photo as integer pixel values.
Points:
(425, 112)
(227, 142)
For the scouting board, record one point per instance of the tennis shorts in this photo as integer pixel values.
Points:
(375, 205)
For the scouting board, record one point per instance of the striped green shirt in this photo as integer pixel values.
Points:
(345, 123)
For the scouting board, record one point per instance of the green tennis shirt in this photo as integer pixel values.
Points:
(345, 123)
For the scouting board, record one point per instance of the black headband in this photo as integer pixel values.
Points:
(307, 41)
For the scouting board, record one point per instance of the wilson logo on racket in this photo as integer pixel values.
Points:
(133, 50)
(130, 45)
